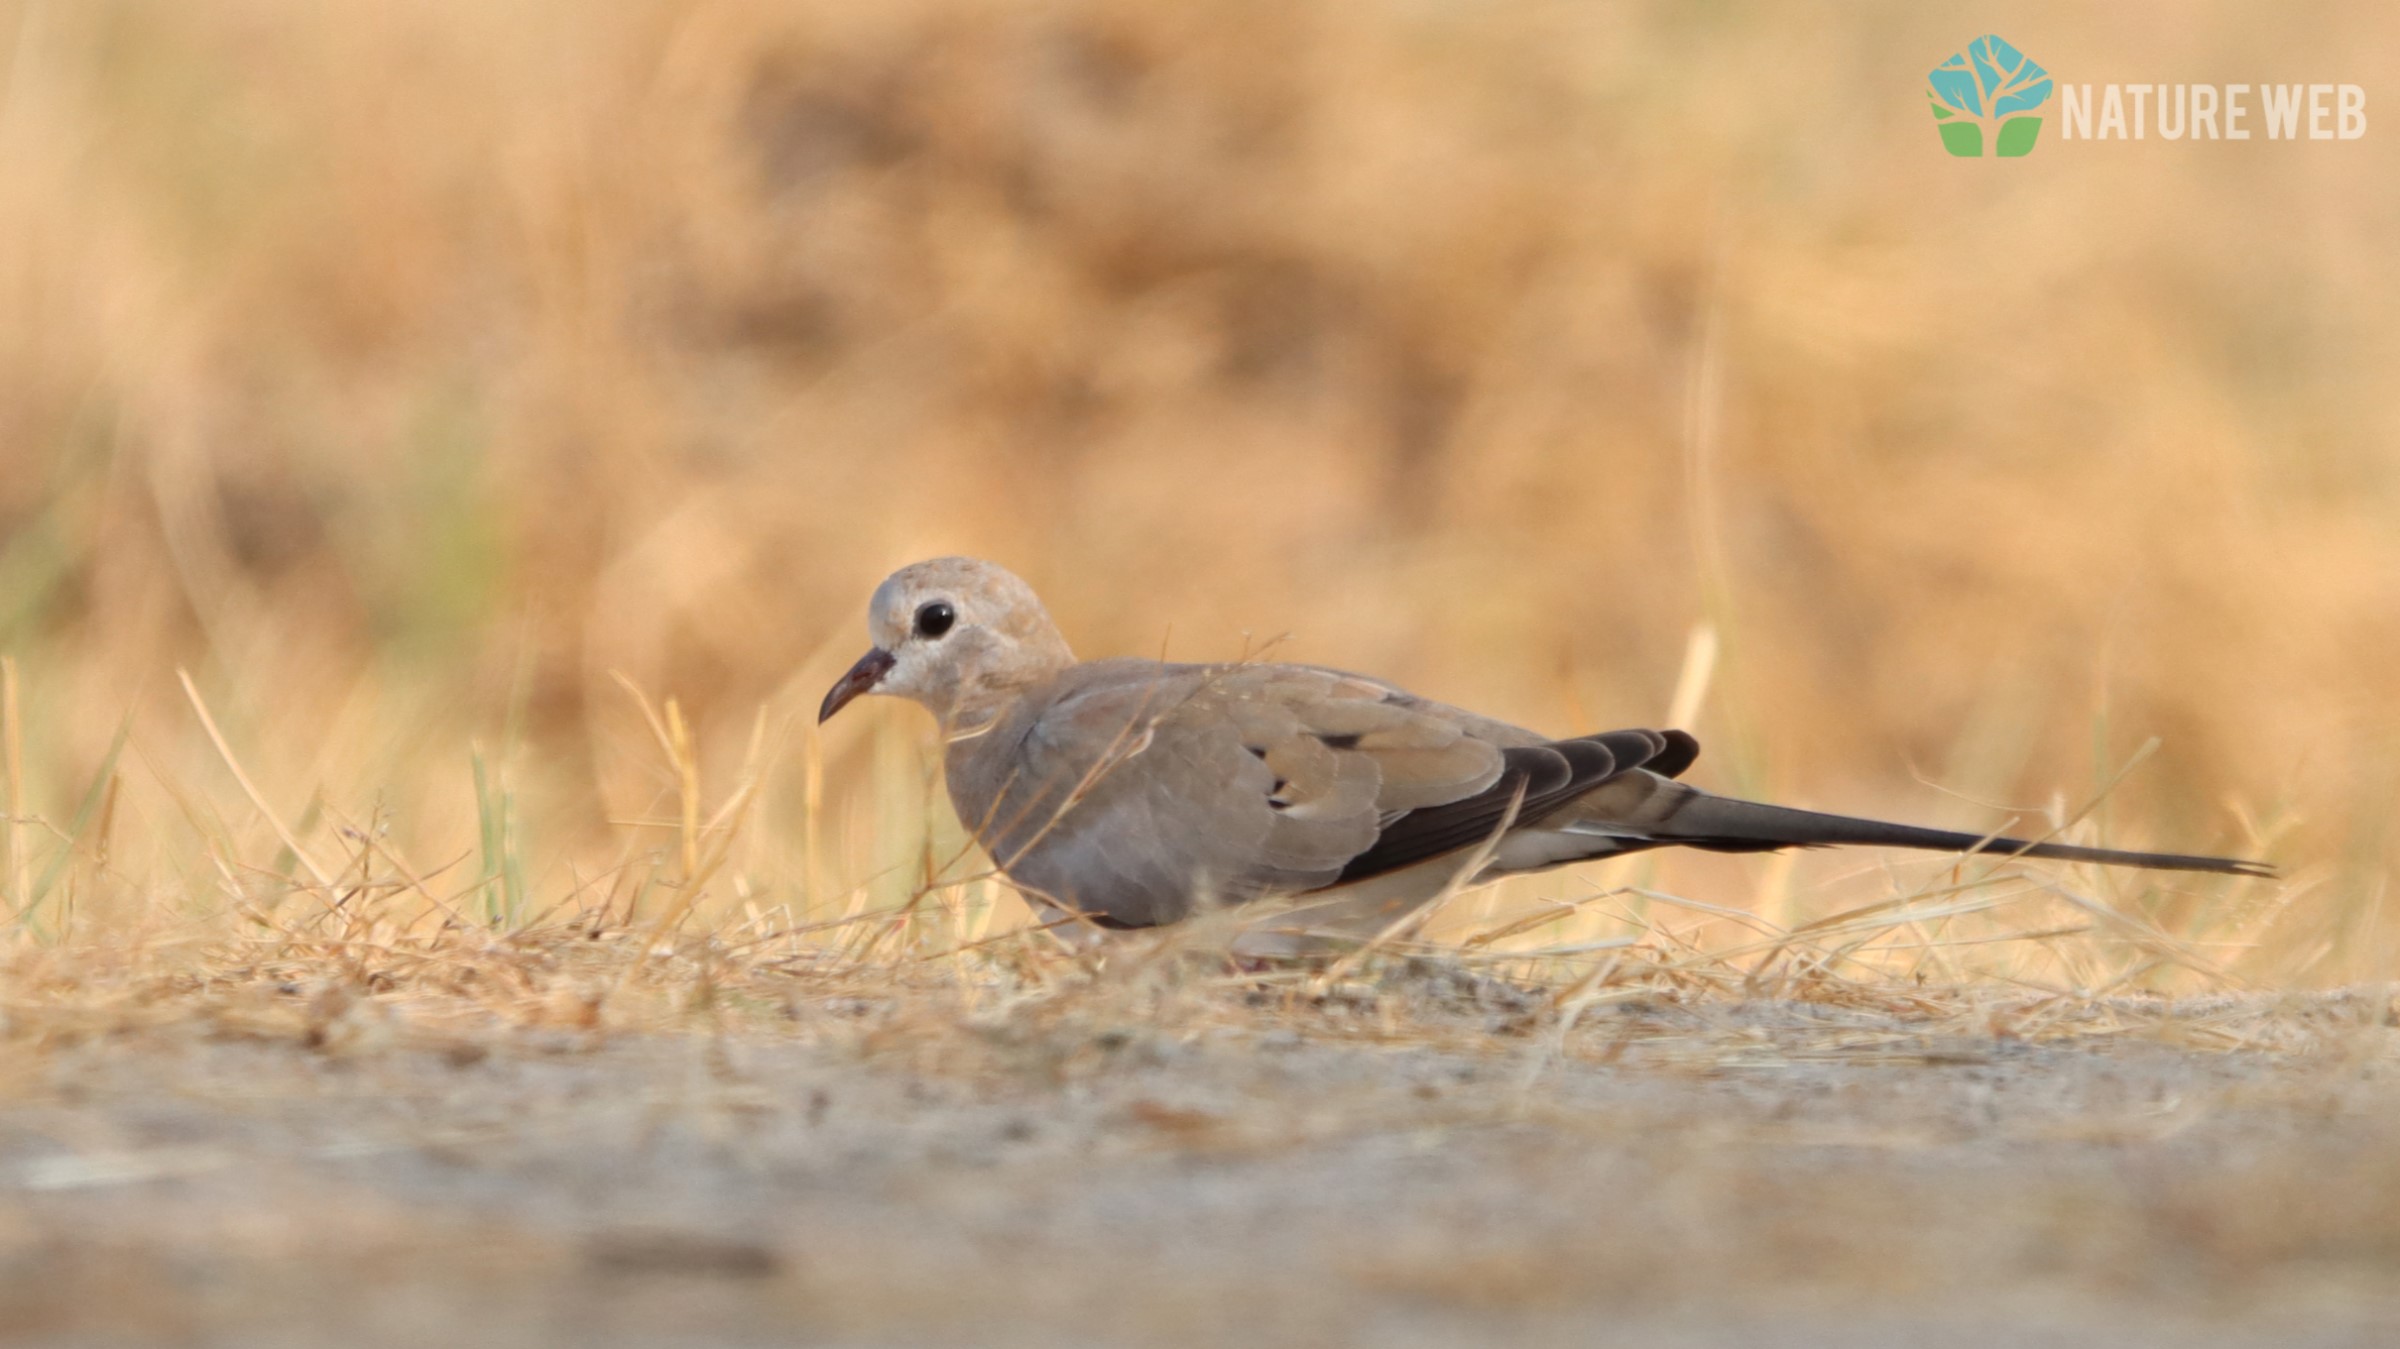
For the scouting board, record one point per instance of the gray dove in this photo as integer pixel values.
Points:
(1134, 793)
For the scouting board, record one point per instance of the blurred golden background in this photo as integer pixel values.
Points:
(403, 368)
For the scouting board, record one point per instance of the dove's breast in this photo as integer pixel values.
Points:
(1094, 792)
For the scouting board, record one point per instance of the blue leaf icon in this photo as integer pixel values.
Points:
(1955, 85)
(2015, 82)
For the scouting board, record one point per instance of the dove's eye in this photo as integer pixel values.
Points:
(935, 619)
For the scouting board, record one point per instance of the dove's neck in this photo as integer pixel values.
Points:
(991, 687)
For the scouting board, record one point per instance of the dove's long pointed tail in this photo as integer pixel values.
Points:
(1724, 824)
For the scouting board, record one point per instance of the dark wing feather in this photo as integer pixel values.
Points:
(1675, 755)
(1534, 780)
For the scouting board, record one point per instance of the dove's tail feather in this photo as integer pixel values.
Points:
(1723, 824)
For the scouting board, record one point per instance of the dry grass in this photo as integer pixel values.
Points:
(407, 375)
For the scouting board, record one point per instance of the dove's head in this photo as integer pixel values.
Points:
(960, 636)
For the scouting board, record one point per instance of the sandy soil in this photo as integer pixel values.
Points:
(1448, 1171)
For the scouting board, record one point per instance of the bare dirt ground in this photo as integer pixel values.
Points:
(1426, 1162)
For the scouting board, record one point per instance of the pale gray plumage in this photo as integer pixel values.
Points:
(1135, 792)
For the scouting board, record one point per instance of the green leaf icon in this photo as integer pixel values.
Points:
(1963, 139)
(2017, 135)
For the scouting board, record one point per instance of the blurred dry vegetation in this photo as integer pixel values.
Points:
(405, 369)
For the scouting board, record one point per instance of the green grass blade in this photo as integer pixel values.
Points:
(84, 811)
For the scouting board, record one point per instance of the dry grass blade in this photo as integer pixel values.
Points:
(12, 734)
(258, 800)
(1472, 862)
(2149, 938)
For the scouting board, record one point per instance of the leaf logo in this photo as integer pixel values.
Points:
(1988, 95)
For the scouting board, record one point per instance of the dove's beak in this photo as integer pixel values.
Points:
(863, 678)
